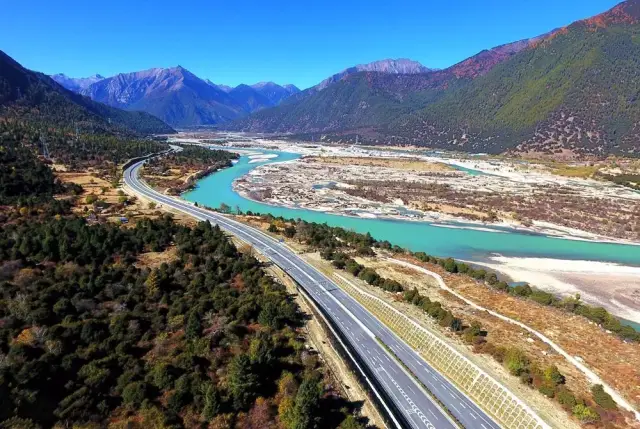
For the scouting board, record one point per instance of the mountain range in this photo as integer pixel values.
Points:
(76, 85)
(177, 96)
(31, 96)
(574, 90)
(388, 66)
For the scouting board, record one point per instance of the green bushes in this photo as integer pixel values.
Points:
(206, 334)
(596, 314)
(566, 399)
(585, 414)
(602, 398)
(516, 362)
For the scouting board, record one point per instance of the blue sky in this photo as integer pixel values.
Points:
(240, 41)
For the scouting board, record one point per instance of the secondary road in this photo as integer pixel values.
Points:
(362, 330)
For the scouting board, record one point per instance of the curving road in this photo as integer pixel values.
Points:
(412, 406)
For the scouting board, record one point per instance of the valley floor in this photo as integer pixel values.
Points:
(454, 191)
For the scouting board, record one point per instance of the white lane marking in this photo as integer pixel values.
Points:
(414, 407)
(240, 231)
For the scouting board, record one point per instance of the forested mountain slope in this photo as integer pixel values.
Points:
(577, 91)
(29, 95)
(574, 90)
(364, 97)
(359, 100)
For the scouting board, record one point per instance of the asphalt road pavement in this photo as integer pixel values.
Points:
(358, 326)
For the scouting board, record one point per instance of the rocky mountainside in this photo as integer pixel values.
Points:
(28, 95)
(274, 92)
(174, 95)
(388, 66)
(574, 90)
(177, 96)
(249, 99)
(76, 84)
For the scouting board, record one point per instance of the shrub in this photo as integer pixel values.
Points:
(553, 376)
(522, 290)
(491, 278)
(541, 297)
(339, 264)
(602, 398)
(516, 361)
(450, 265)
(289, 231)
(585, 414)
(134, 393)
(368, 275)
(353, 267)
(365, 251)
(547, 390)
(566, 398)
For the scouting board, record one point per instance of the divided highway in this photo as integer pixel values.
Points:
(361, 329)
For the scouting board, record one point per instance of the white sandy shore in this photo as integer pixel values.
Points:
(613, 286)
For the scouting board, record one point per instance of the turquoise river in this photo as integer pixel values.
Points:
(459, 242)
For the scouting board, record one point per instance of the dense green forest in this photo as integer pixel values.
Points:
(32, 96)
(23, 176)
(81, 151)
(195, 156)
(87, 336)
(92, 337)
(586, 74)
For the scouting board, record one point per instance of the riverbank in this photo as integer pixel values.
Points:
(473, 193)
(436, 219)
(469, 241)
(612, 286)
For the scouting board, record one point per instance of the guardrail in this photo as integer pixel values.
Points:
(132, 161)
(488, 393)
(387, 407)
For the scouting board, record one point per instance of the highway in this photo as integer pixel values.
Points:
(361, 329)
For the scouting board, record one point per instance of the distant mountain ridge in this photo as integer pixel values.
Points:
(33, 96)
(174, 95)
(76, 84)
(574, 90)
(274, 92)
(388, 66)
(177, 96)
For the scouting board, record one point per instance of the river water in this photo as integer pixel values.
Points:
(458, 242)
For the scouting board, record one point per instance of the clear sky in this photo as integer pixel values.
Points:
(242, 41)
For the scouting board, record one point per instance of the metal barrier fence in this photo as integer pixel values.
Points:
(393, 416)
(488, 393)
